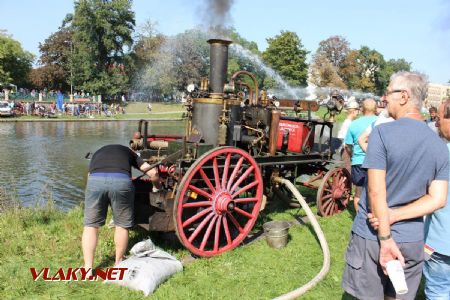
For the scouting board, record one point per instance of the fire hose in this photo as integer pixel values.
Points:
(323, 243)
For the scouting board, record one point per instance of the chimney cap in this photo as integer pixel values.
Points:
(219, 41)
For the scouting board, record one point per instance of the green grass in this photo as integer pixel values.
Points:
(338, 118)
(141, 107)
(49, 238)
(46, 237)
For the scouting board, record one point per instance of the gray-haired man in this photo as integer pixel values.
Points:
(407, 164)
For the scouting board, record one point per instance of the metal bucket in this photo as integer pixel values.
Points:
(276, 233)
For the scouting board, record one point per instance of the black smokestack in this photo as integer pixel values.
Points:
(218, 64)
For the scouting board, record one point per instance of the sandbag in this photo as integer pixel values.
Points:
(147, 268)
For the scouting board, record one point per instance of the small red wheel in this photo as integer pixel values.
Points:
(334, 192)
(218, 201)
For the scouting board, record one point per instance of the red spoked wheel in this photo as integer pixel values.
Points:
(334, 192)
(218, 201)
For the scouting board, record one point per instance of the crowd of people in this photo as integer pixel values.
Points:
(400, 166)
(35, 108)
(45, 94)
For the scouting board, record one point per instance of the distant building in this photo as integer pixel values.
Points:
(436, 93)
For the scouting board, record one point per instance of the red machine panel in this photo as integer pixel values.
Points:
(298, 132)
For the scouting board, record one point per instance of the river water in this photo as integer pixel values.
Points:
(45, 160)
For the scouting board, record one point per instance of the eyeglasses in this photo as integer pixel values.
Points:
(387, 93)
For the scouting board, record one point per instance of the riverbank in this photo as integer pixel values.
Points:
(134, 111)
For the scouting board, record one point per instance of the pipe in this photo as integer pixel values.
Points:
(250, 90)
(323, 244)
(273, 133)
(255, 83)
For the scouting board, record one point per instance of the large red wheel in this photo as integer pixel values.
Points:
(218, 201)
(334, 192)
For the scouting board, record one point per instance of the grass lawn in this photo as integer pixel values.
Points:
(141, 107)
(49, 238)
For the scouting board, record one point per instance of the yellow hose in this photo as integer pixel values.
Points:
(323, 244)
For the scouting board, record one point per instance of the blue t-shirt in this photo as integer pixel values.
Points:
(413, 156)
(356, 128)
(437, 228)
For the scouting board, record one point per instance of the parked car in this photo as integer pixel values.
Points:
(5, 109)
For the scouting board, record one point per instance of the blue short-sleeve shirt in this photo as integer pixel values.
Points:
(413, 156)
(356, 128)
(437, 228)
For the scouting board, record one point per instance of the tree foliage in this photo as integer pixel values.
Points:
(285, 54)
(350, 71)
(171, 63)
(336, 64)
(390, 67)
(102, 33)
(335, 49)
(147, 45)
(245, 55)
(15, 62)
(324, 73)
(55, 60)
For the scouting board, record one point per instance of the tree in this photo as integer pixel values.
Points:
(148, 45)
(173, 64)
(102, 37)
(15, 62)
(328, 61)
(286, 55)
(371, 63)
(54, 70)
(190, 57)
(244, 55)
(146, 54)
(361, 70)
(323, 73)
(390, 67)
(335, 49)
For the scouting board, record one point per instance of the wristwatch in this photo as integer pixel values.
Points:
(384, 238)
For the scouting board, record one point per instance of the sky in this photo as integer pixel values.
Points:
(416, 30)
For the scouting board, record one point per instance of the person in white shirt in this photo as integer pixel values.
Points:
(352, 112)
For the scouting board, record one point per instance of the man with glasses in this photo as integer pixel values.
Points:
(407, 165)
